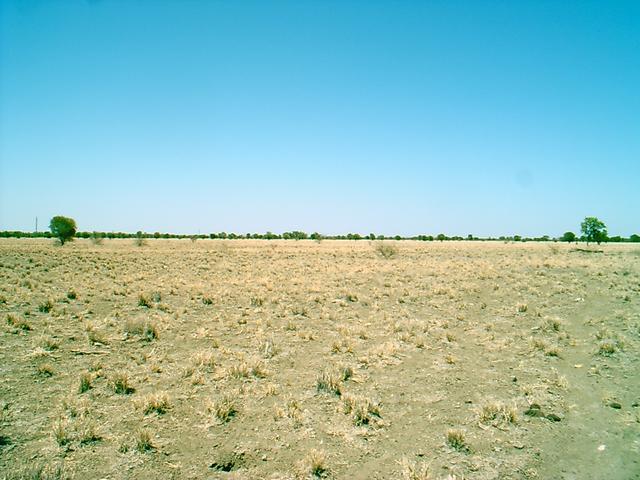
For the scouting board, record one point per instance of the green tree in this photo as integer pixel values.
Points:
(594, 230)
(568, 237)
(63, 228)
(635, 238)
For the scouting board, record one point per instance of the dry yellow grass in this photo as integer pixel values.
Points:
(305, 359)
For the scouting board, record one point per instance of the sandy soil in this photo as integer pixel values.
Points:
(257, 359)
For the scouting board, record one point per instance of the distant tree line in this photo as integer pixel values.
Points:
(64, 229)
(298, 235)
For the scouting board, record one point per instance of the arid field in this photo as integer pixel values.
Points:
(334, 359)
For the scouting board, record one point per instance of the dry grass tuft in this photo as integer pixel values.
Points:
(85, 382)
(120, 383)
(329, 382)
(315, 464)
(456, 439)
(143, 441)
(363, 410)
(414, 471)
(224, 408)
(498, 413)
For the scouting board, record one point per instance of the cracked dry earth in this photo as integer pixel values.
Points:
(283, 359)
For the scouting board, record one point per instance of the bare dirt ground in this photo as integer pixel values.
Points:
(278, 360)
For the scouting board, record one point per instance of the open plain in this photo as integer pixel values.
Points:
(301, 359)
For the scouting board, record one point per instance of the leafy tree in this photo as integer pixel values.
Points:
(594, 230)
(568, 237)
(635, 238)
(441, 237)
(63, 228)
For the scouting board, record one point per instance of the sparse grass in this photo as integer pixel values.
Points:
(411, 331)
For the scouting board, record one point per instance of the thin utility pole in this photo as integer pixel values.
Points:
(36, 224)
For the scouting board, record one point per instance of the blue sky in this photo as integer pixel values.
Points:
(395, 117)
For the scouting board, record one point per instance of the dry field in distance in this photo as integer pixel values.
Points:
(284, 360)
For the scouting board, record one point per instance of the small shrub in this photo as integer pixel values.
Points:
(72, 295)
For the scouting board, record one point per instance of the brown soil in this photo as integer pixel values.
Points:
(284, 359)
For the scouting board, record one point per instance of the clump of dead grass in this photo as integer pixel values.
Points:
(154, 402)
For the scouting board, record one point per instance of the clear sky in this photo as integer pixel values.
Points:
(395, 117)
